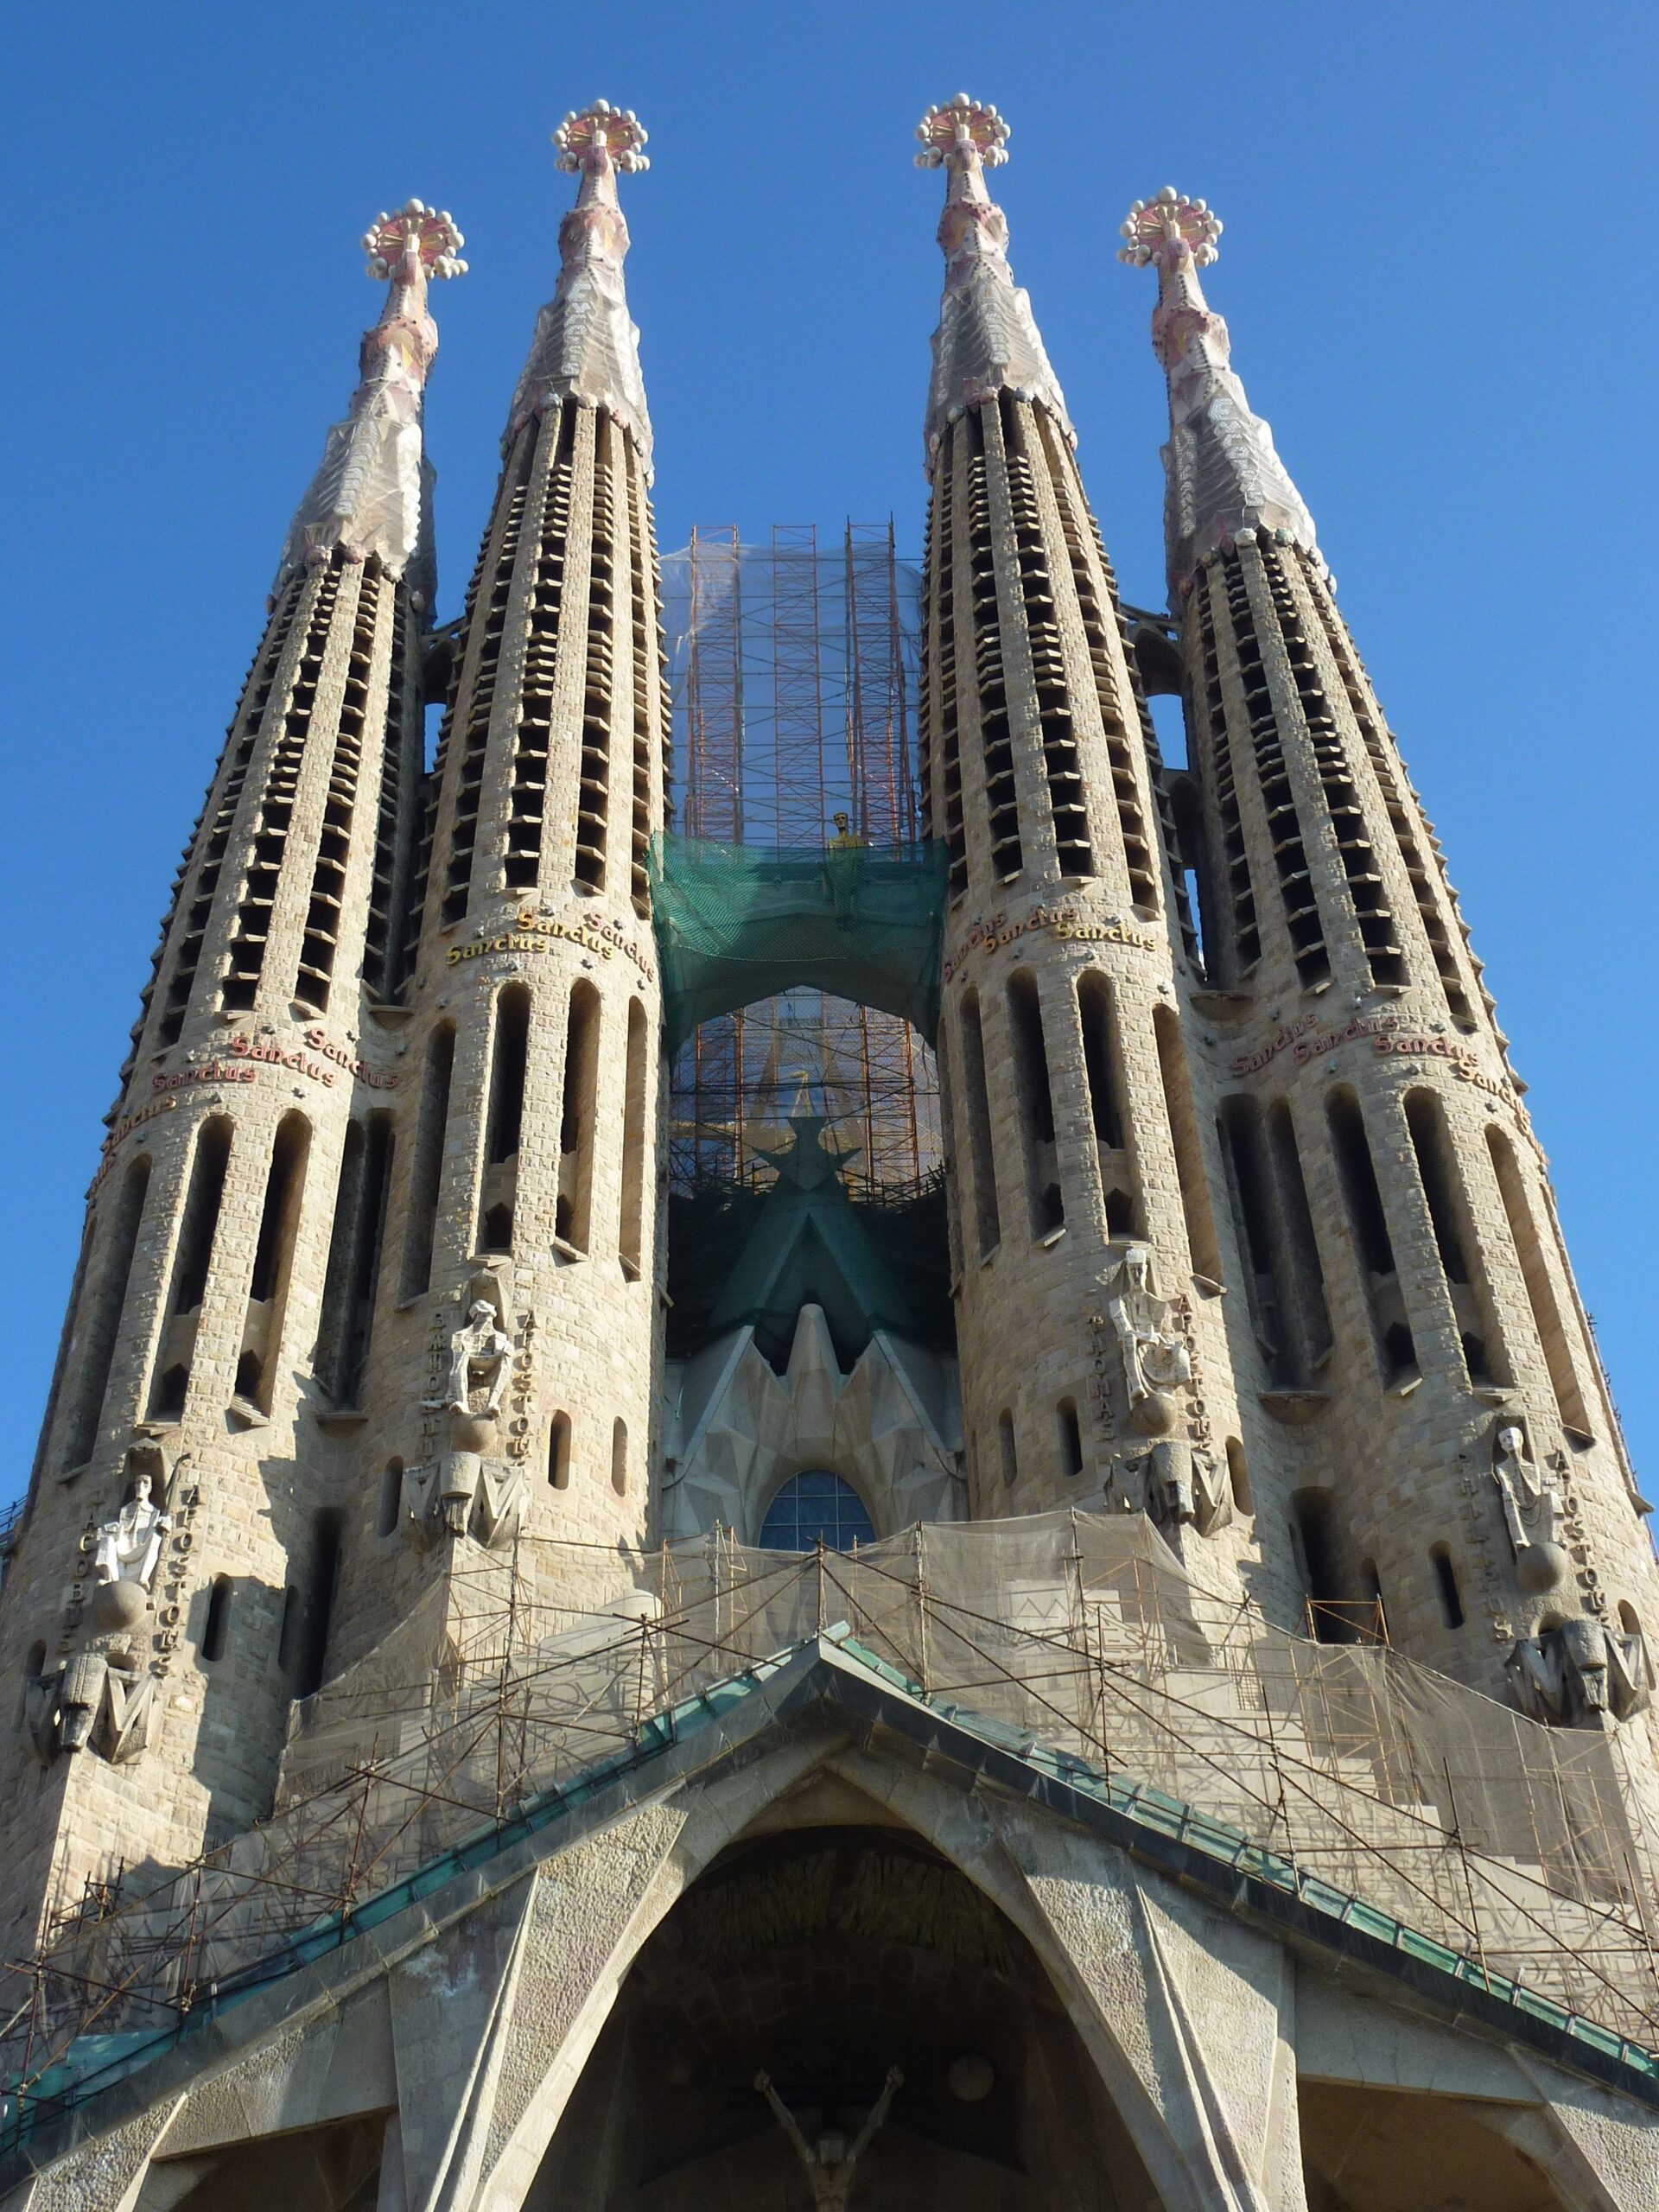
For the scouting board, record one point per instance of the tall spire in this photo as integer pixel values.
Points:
(369, 495)
(988, 340)
(585, 345)
(1221, 473)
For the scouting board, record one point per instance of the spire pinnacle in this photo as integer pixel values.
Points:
(1222, 474)
(585, 347)
(368, 496)
(987, 340)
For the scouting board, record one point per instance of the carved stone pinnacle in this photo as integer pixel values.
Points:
(587, 137)
(961, 126)
(1168, 221)
(431, 231)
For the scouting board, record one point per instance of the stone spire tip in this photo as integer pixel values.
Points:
(1159, 228)
(954, 132)
(601, 136)
(416, 232)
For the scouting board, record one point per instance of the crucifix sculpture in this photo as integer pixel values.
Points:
(831, 2160)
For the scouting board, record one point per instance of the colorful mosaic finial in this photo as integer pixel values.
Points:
(593, 135)
(962, 126)
(1169, 222)
(428, 232)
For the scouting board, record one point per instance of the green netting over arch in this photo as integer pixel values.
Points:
(737, 922)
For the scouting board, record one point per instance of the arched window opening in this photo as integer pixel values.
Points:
(310, 1645)
(1446, 1583)
(1373, 1249)
(273, 1258)
(509, 1054)
(1540, 1289)
(192, 1259)
(1309, 1313)
(574, 1223)
(1630, 1621)
(558, 1452)
(1007, 1449)
(425, 1177)
(812, 1506)
(619, 1458)
(1184, 1136)
(1238, 1476)
(93, 1343)
(1328, 1620)
(287, 1633)
(215, 1634)
(389, 1504)
(1045, 1205)
(633, 1145)
(354, 1272)
(1257, 1225)
(1455, 1239)
(977, 1101)
(1104, 1069)
(1071, 1437)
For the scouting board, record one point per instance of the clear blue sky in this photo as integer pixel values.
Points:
(1437, 269)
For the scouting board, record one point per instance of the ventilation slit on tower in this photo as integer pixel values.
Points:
(1044, 1197)
(467, 726)
(1099, 619)
(977, 1100)
(1455, 1238)
(1103, 1066)
(498, 1194)
(1405, 816)
(599, 681)
(273, 1259)
(349, 1286)
(192, 1259)
(1373, 1248)
(939, 705)
(642, 637)
(990, 685)
(211, 839)
(574, 1222)
(1062, 763)
(1540, 1289)
(95, 1332)
(320, 943)
(632, 1251)
(426, 1174)
(1273, 778)
(1236, 952)
(275, 818)
(1184, 1136)
(544, 599)
(1366, 888)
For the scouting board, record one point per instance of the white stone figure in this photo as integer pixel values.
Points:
(480, 1352)
(128, 1547)
(1154, 1354)
(831, 2160)
(1532, 1510)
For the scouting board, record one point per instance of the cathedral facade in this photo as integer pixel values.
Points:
(492, 1731)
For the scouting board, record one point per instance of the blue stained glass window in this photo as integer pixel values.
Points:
(811, 1505)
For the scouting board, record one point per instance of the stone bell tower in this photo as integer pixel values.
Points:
(1439, 1433)
(157, 1600)
(521, 1171)
(1085, 1259)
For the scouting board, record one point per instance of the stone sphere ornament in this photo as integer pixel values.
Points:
(971, 2078)
(1540, 1568)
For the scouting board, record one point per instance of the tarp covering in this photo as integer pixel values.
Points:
(737, 922)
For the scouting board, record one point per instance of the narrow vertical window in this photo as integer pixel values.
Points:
(633, 1145)
(349, 1286)
(1005, 1447)
(273, 1259)
(310, 1650)
(216, 1631)
(1103, 1069)
(1373, 1249)
(426, 1176)
(192, 1258)
(106, 1297)
(1454, 1237)
(1265, 1264)
(1238, 1475)
(1071, 1437)
(1044, 1200)
(1446, 1582)
(1184, 1136)
(1309, 1312)
(390, 1500)
(1311, 1524)
(558, 1452)
(508, 1051)
(978, 1104)
(1541, 1291)
(619, 1458)
(574, 1223)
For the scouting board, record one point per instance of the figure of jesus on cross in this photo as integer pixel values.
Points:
(829, 2162)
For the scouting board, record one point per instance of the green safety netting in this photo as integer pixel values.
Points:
(737, 922)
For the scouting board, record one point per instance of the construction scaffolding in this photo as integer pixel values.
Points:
(794, 669)
(1375, 1795)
